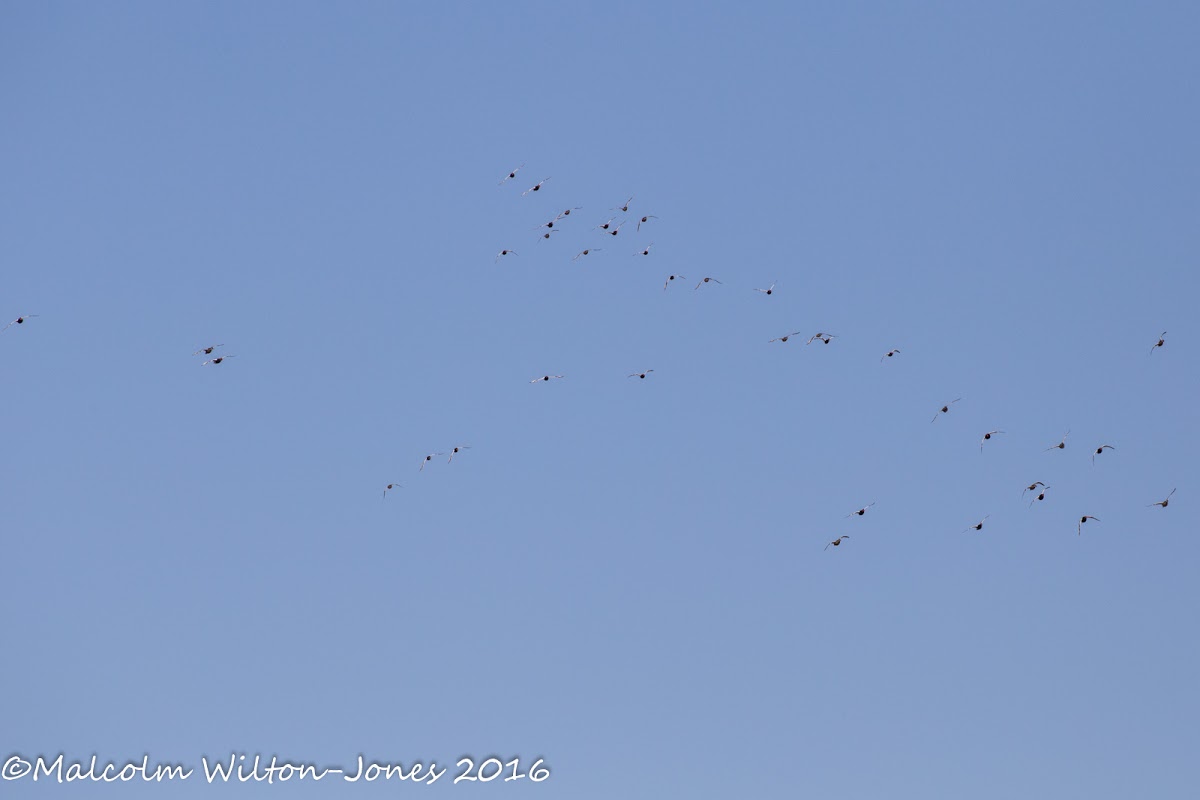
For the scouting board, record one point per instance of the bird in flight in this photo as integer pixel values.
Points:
(1163, 503)
(1062, 445)
(581, 253)
(1032, 487)
(605, 224)
(888, 354)
(1100, 450)
(944, 409)
(785, 338)
(824, 337)
(670, 278)
(504, 253)
(986, 437)
(216, 360)
(645, 251)
(861, 511)
(545, 378)
(19, 321)
(1040, 496)
(537, 187)
(769, 290)
(454, 452)
(549, 233)
(644, 219)
(427, 459)
(641, 375)
(706, 280)
(207, 350)
(617, 229)
(1162, 339)
(838, 540)
(568, 211)
(389, 487)
(624, 206)
(1082, 520)
(977, 526)
(511, 175)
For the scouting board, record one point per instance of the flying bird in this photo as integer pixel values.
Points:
(785, 338)
(1062, 445)
(944, 409)
(207, 350)
(624, 206)
(1100, 450)
(1163, 503)
(537, 187)
(644, 219)
(861, 511)
(769, 290)
(1040, 496)
(671, 278)
(645, 251)
(1082, 520)
(1162, 339)
(568, 211)
(503, 253)
(545, 378)
(986, 437)
(511, 175)
(706, 280)
(19, 321)
(216, 360)
(549, 233)
(888, 354)
(838, 540)
(605, 224)
(457, 448)
(389, 487)
(581, 253)
(617, 229)
(977, 526)
(824, 337)
(1032, 487)
(427, 459)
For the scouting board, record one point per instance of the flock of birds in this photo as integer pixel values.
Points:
(551, 227)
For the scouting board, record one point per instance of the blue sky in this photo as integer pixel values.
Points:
(623, 577)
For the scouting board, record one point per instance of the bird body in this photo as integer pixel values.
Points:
(1163, 503)
(1062, 445)
(944, 409)
(537, 187)
(18, 321)
(978, 526)
(861, 511)
(511, 175)
(987, 436)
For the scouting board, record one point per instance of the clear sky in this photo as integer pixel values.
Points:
(623, 577)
